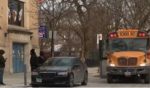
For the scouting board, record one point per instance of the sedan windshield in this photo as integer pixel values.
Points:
(136, 44)
(59, 62)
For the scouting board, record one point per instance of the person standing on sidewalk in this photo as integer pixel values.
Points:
(33, 60)
(2, 66)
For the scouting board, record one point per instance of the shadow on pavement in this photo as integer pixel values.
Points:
(51, 86)
(130, 80)
(125, 81)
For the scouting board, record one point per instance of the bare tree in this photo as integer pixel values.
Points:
(129, 13)
(51, 12)
(83, 19)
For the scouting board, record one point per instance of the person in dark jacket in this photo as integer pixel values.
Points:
(33, 60)
(2, 66)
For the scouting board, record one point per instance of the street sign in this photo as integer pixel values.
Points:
(99, 37)
(43, 32)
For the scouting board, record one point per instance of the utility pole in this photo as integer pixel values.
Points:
(53, 26)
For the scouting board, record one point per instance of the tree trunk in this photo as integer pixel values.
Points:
(83, 53)
(84, 41)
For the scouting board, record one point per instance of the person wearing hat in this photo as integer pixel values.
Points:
(33, 60)
(2, 66)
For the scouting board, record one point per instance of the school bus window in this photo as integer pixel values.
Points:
(128, 44)
(138, 44)
(118, 45)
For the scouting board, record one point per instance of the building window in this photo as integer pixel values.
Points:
(16, 12)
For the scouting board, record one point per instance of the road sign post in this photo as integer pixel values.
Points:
(25, 75)
(99, 39)
(100, 47)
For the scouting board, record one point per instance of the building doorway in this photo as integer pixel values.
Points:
(18, 57)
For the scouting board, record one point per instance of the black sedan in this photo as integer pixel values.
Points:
(61, 70)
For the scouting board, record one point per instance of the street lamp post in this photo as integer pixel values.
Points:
(53, 23)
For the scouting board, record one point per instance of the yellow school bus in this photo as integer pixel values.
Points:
(127, 55)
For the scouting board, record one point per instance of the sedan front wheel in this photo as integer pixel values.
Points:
(85, 80)
(71, 81)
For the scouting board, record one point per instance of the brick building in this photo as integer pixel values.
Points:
(18, 33)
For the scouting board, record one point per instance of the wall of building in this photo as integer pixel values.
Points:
(33, 24)
(27, 35)
(3, 22)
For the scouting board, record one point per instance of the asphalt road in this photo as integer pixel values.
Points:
(96, 81)
(16, 81)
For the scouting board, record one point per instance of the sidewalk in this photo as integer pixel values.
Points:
(93, 71)
(17, 80)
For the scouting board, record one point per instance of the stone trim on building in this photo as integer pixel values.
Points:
(17, 29)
